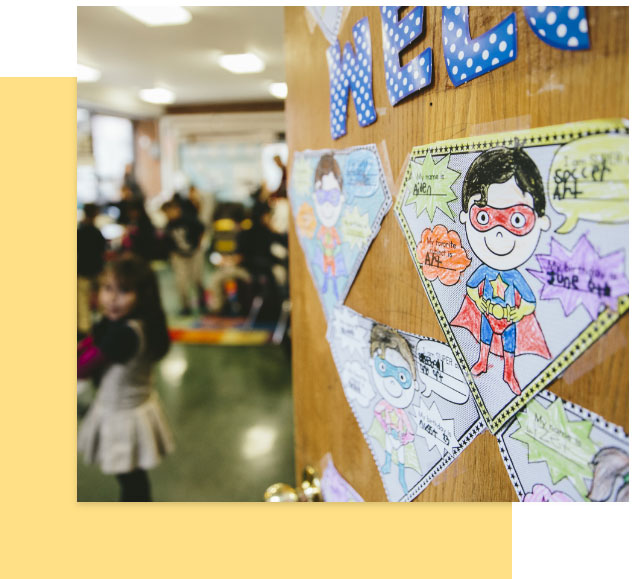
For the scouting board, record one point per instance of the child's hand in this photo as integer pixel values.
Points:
(482, 305)
(524, 309)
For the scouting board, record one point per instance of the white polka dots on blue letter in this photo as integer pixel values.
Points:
(563, 27)
(490, 46)
(396, 37)
(351, 73)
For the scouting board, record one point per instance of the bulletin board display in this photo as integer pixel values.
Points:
(540, 85)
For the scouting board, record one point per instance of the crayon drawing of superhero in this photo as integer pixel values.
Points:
(504, 216)
(329, 198)
(394, 374)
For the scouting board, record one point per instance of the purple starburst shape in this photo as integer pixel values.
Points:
(582, 276)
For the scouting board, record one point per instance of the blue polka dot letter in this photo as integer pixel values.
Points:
(402, 81)
(465, 57)
(351, 73)
(562, 27)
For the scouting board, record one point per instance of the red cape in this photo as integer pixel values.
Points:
(529, 336)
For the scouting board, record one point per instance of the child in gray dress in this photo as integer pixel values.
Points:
(125, 431)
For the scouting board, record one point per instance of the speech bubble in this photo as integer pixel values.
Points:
(306, 220)
(357, 383)
(565, 446)
(436, 431)
(441, 255)
(302, 178)
(430, 186)
(347, 335)
(589, 180)
(439, 372)
(582, 276)
(361, 176)
(355, 227)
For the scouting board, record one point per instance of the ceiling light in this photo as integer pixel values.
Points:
(242, 63)
(157, 96)
(88, 74)
(158, 15)
(278, 89)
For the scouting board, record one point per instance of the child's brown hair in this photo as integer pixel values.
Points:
(382, 337)
(328, 164)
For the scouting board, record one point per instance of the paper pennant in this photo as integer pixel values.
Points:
(520, 240)
(334, 488)
(329, 20)
(409, 397)
(556, 451)
(339, 199)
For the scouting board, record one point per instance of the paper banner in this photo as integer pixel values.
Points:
(334, 488)
(520, 240)
(329, 20)
(556, 451)
(339, 199)
(409, 398)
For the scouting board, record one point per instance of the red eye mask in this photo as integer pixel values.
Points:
(517, 219)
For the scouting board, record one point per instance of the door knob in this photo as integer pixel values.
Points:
(309, 491)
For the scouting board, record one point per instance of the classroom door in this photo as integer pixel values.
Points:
(543, 86)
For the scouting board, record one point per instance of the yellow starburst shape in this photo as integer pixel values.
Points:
(430, 186)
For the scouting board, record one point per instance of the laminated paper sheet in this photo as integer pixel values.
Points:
(556, 451)
(521, 240)
(339, 199)
(409, 397)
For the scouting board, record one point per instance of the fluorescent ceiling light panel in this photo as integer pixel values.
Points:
(158, 15)
(157, 96)
(278, 89)
(88, 73)
(242, 63)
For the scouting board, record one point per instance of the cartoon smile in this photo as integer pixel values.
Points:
(500, 253)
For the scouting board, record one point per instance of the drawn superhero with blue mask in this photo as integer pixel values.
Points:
(328, 199)
(504, 216)
(394, 375)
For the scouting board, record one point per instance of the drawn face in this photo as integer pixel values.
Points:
(392, 378)
(114, 301)
(504, 234)
(328, 199)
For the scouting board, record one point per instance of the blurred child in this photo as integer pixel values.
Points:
(125, 431)
(184, 236)
(91, 248)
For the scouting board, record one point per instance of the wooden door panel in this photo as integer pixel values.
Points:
(543, 86)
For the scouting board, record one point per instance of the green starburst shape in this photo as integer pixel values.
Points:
(564, 445)
(430, 186)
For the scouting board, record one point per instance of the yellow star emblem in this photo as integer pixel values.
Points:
(499, 287)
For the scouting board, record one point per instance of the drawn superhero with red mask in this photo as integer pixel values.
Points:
(504, 216)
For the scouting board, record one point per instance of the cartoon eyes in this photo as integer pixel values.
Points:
(402, 378)
(518, 220)
(382, 367)
(483, 218)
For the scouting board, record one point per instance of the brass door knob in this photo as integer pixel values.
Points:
(309, 491)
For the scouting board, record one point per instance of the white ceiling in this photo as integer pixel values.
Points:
(132, 56)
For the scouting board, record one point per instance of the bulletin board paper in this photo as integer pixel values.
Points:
(522, 284)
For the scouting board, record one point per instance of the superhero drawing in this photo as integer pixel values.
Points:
(394, 376)
(329, 199)
(503, 211)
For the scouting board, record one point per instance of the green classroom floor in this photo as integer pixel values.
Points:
(231, 411)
